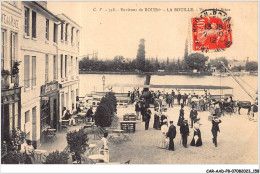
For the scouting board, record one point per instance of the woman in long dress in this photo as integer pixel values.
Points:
(29, 151)
(104, 149)
(164, 129)
(181, 116)
(156, 124)
(196, 140)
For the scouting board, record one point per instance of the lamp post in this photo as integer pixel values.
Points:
(103, 78)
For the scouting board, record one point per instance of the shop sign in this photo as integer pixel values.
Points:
(49, 88)
(9, 20)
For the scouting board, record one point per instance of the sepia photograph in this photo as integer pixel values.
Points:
(130, 82)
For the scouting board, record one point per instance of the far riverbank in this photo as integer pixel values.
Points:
(144, 73)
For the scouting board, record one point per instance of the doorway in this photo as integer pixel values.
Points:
(55, 119)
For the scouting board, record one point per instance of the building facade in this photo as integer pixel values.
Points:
(10, 54)
(46, 48)
(39, 48)
(68, 59)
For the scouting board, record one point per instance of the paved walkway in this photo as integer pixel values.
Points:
(237, 142)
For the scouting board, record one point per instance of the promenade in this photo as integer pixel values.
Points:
(237, 142)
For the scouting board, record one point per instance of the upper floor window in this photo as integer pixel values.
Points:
(12, 50)
(55, 68)
(61, 33)
(47, 29)
(66, 32)
(77, 65)
(46, 68)
(61, 65)
(27, 116)
(3, 46)
(72, 29)
(66, 65)
(26, 21)
(33, 70)
(26, 71)
(71, 65)
(55, 34)
(33, 24)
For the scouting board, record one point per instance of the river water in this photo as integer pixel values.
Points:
(94, 82)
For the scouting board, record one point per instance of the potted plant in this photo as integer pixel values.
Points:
(13, 157)
(57, 158)
(15, 73)
(17, 138)
(77, 142)
(5, 79)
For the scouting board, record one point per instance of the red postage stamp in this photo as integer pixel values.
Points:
(211, 31)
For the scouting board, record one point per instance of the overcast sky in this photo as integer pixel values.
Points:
(119, 32)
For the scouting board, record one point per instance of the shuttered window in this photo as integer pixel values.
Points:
(26, 71)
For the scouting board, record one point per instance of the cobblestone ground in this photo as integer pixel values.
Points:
(237, 142)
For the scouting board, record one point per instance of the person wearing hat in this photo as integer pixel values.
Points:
(164, 128)
(181, 116)
(156, 124)
(170, 98)
(29, 152)
(179, 98)
(156, 103)
(173, 95)
(143, 109)
(193, 115)
(137, 109)
(215, 129)
(217, 108)
(254, 110)
(196, 140)
(163, 117)
(184, 130)
(201, 103)
(147, 118)
(171, 134)
(184, 99)
(90, 115)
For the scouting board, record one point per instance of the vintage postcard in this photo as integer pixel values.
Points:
(129, 82)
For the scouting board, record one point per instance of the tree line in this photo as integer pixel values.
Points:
(197, 61)
(119, 63)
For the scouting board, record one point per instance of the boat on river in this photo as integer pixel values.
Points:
(217, 92)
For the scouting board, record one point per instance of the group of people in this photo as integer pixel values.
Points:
(134, 95)
(67, 115)
(169, 133)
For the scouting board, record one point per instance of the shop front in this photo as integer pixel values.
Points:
(49, 108)
(10, 112)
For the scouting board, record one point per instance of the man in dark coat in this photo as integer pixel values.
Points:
(90, 114)
(67, 115)
(179, 98)
(173, 95)
(193, 115)
(171, 134)
(184, 99)
(215, 129)
(143, 111)
(147, 118)
(184, 130)
(181, 116)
